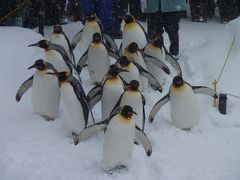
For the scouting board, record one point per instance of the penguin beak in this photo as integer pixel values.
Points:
(121, 17)
(134, 112)
(35, 44)
(122, 70)
(33, 66)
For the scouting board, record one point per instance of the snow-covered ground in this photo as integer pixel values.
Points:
(32, 148)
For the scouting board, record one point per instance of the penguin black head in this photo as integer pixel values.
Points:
(97, 37)
(91, 17)
(132, 47)
(42, 44)
(114, 70)
(127, 111)
(178, 81)
(129, 19)
(124, 61)
(62, 76)
(58, 29)
(134, 84)
(42, 65)
(158, 42)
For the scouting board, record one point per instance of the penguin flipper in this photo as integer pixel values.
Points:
(76, 39)
(89, 131)
(110, 42)
(113, 54)
(157, 107)
(94, 96)
(171, 60)
(141, 138)
(23, 88)
(82, 61)
(157, 62)
(204, 90)
(152, 80)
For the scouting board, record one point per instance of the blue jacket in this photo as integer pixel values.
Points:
(166, 5)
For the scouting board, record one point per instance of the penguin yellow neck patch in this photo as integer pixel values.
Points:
(96, 45)
(179, 88)
(152, 46)
(128, 53)
(130, 25)
(125, 119)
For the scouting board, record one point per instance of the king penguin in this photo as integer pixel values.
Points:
(74, 103)
(156, 49)
(133, 32)
(108, 91)
(45, 90)
(59, 37)
(134, 98)
(97, 58)
(183, 103)
(120, 135)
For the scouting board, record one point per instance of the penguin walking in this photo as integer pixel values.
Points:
(156, 49)
(75, 107)
(59, 37)
(45, 90)
(91, 26)
(98, 59)
(108, 91)
(133, 32)
(119, 137)
(183, 103)
(134, 98)
(132, 51)
(57, 56)
(134, 72)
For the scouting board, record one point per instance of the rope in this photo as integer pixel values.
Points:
(3, 18)
(226, 59)
(234, 95)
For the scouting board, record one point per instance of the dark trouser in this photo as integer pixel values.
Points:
(168, 21)
(135, 9)
(199, 9)
(228, 9)
(54, 11)
(120, 8)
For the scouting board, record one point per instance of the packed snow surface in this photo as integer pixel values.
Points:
(32, 148)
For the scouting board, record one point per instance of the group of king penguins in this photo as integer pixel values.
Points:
(139, 63)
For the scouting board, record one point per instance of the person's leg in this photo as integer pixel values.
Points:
(171, 25)
(194, 7)
(154, 25)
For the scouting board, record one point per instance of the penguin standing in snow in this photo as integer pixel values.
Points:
(108, 91)
(134, 72)
(133, 32)
(75, 106)
(184, 107)
(134, 98)
(98, 59)
(59, 37)
(45, 90)
(156, 49)
(119, 137)
(91, 26)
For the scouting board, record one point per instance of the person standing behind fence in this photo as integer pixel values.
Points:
(164, 15)
(228, 10)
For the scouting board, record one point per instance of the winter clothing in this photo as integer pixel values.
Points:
(135, 9)
(165, 15)
(228, 10)
(166, 5)
(103, 10)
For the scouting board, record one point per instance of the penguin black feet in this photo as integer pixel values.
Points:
(116, 169)
(47, 118)
(186, 129)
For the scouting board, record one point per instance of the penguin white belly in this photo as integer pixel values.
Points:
(134, 99)
(112, 90)
(184, 107)
(55, 58)
(157, 72)
(139, 59)
(46, 94)
(87, 35)
(72, 109)
(118, 142)
(61, 40)
(98, 62)
(135, 34)
(132, 74)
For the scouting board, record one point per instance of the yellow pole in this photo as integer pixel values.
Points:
(215, 92)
